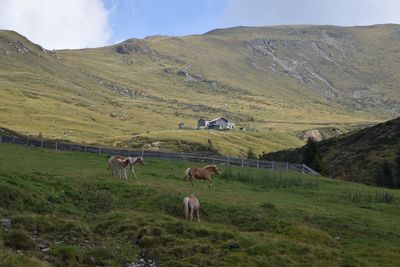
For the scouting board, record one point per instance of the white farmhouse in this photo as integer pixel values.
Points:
(218, 123)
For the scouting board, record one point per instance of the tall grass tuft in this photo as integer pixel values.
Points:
(377, 197)
(267, 180)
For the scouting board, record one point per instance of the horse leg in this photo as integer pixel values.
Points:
(210, 184)
(133, 171)
(114, 171)
(126, 175)
(198, 215)
(191, 179)
(191, 214)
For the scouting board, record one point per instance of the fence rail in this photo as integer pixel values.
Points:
(209, 159)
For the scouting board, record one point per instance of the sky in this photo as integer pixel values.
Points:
(57, 24)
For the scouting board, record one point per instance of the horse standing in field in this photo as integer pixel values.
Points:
(121, 163)
(201, 173)
(190, 205)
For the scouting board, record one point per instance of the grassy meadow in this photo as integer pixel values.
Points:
(146, 87)
(67, 210)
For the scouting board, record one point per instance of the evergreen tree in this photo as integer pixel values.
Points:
(309, 152)
(397, 168)
(385, 176)
(312, 157)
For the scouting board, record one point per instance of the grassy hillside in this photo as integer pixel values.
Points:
(62, 215)
(276, 81)
(356, 156)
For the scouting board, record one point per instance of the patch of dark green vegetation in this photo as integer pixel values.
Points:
(370, 155)
(377, 197)
(268, 180)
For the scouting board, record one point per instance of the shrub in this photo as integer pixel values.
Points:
(68, 255)
(251, 154)
(18, 239)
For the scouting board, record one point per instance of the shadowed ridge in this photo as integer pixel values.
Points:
(353, 156)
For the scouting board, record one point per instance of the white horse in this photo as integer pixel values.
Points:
(121, 163)
(190, 205)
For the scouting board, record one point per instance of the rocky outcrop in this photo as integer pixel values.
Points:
(136, 47)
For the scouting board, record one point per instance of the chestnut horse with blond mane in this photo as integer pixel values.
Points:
(201, 173)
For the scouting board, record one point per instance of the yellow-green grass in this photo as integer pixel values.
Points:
(74, 90)
(233, 142)
(249, 217)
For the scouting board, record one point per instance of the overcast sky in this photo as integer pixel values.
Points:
(57, 24)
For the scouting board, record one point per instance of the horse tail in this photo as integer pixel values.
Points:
(109, 163)
(186, 207)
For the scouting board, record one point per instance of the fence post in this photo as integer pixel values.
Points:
(56, 145)
(229, 157)
(185, 157)
(99, 150)
(273, 165)
(27, 140)
(302, 169)
(142, 153)
(13, 139)
(242, 162)
(258, 164)
(287, 166)
(84, 149)
(41, 142)
(1, 138)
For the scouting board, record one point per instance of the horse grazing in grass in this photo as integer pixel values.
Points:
(190, 205)
(201, 173)
(121, 163)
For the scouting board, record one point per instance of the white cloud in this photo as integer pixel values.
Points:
(57, 24)
(336, 12)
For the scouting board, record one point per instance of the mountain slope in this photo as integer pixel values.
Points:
(276, 81)
(354, 156)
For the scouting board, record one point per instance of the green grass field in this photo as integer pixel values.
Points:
(68, 202)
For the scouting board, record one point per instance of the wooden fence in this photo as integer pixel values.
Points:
(209, 159)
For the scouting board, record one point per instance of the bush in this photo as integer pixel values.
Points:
(18, 239)
(69, 255)
(251, 154)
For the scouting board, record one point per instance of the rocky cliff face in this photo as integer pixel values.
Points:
(331, 63)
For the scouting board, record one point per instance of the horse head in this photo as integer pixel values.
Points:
(140, 160)
(213, 168)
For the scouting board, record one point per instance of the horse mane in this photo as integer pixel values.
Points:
(210, 166)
